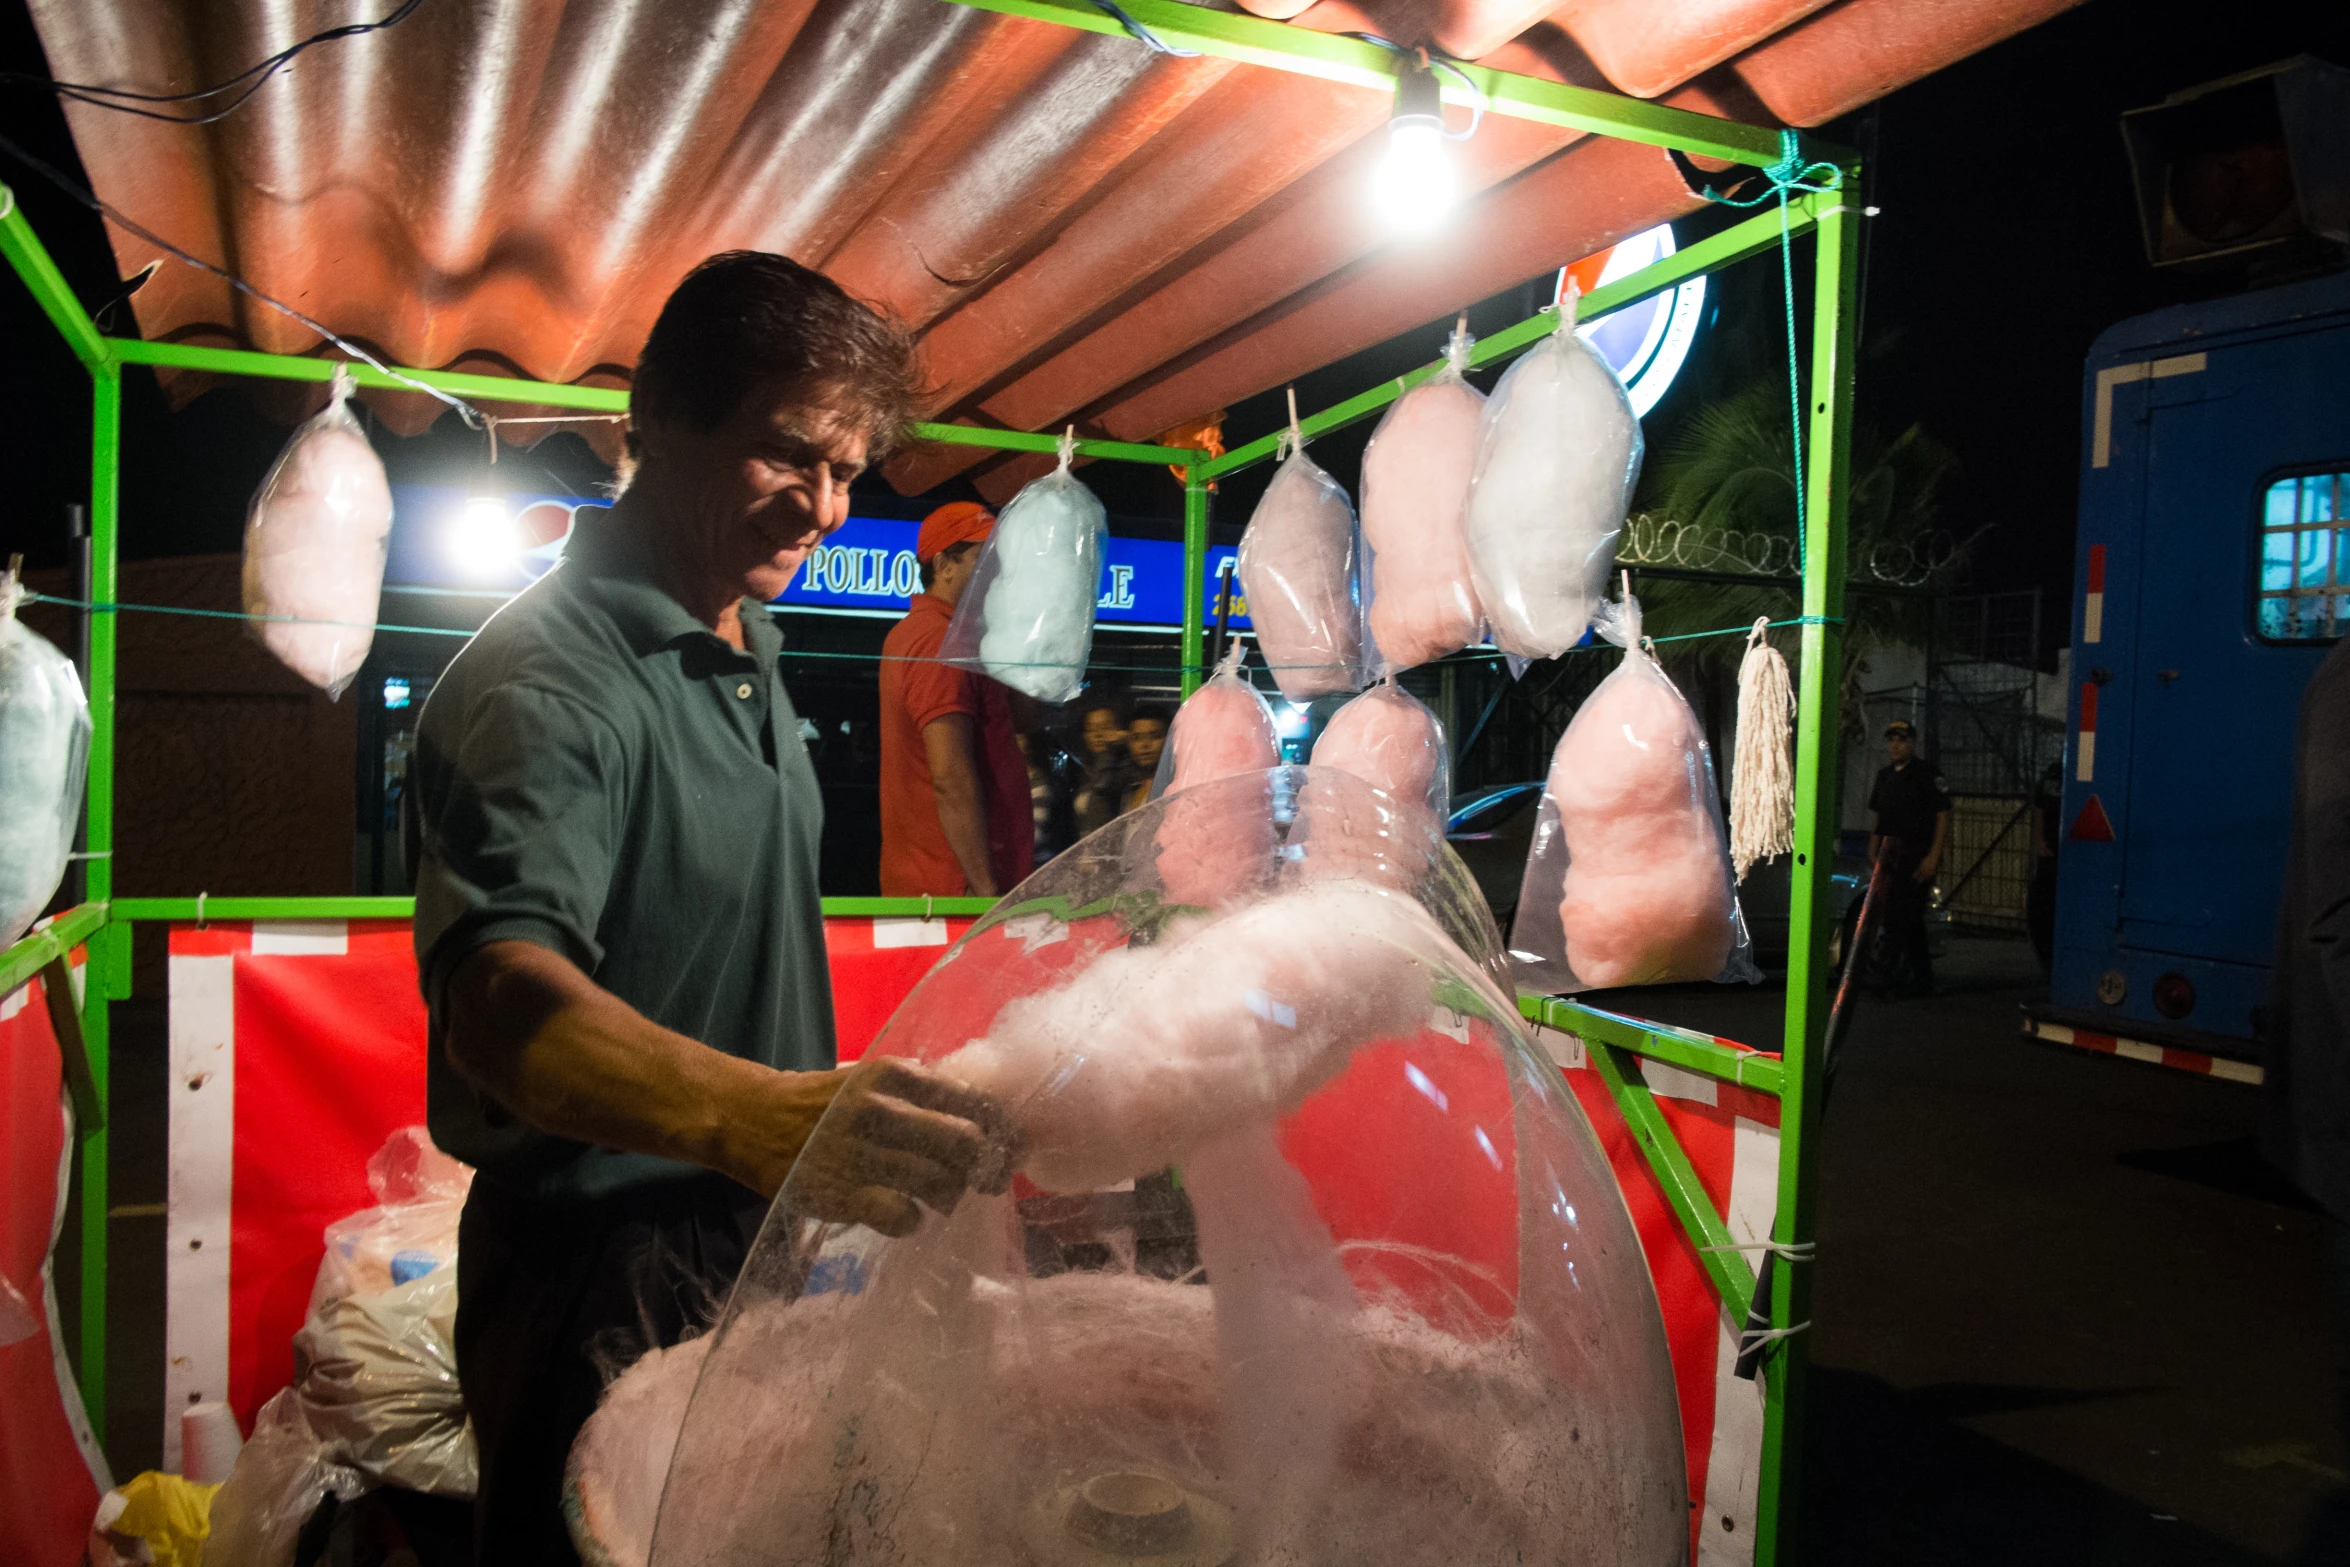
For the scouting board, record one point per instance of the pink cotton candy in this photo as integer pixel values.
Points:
(1647, 897)
(1297, 568)
(1152, 1051)
(1389, 739)
(1415, 500)
(1212, 848)
(315, 541)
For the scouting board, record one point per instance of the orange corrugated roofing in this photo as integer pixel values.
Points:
(1082, 230)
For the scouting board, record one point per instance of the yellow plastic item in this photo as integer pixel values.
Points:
(174, 1516)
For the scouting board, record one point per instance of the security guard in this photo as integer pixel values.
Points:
(1912, 828)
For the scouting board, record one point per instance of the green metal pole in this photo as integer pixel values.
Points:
(1195, 577)
(105, 550)
(1827, 494)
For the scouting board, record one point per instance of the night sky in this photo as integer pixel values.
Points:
(2007, 241)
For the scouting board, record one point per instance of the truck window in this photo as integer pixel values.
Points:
(2304, 559)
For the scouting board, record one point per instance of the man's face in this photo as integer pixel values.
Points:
(950, 571)
(1145, 739)
(753, 497)
(1898, 749)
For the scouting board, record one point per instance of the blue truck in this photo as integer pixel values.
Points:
(2213, 575)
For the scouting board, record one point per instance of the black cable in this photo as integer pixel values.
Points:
(123, 101)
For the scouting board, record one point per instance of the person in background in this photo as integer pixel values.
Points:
(1146, 740)
(955, 815)
(2305, 1097)
(1912, 828)
(1102, 786)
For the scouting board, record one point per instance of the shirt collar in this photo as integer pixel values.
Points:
(613, 571)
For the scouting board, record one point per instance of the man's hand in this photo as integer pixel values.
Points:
(1927, 866)
(895, 1135)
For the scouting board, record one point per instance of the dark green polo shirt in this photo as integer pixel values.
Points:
(600, 774)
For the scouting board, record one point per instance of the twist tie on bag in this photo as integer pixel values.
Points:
(1458, 346)
(1755, 1340)
(1067, 448)
(1791, 1251)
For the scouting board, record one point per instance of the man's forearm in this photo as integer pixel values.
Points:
(954, 785)
(528, 1028)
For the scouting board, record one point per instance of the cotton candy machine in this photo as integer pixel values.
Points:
(1311, 1259)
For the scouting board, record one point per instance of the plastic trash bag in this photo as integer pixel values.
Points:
(412, 1230)
(315, 540)
(1628, 879)
(1224, 727)
(152, 1520)
(1027, 617)
(376, 1376)
(282, 1475)
(1558, 452)
(1297, 567)
(1422, 603)
(44, 745)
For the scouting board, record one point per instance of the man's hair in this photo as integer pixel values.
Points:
(1156, 712)
(744, 317)
(928, 569)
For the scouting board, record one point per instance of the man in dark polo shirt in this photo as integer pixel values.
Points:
(617, 927)
(1912, 828)
(956, 816)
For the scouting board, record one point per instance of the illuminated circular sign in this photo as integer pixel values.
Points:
(1646, 343)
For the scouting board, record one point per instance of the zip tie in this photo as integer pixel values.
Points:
(91, 854)
(926, 908)
(1142, 34)
(1794, 1251)
(200, 911)
(1757, 1338)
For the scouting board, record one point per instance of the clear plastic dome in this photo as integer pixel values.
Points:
(1311, 1258)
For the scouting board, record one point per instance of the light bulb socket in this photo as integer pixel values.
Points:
(1419, 97)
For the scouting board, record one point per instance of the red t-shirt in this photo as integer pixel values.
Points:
(915, 858)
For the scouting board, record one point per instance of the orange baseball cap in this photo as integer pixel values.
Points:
(957, 522)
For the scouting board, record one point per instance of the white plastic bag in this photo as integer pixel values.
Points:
(283, 1473)
(376, 1376)
(1558, 453)
(1628, 879)
(1390, 739)
(1211, 849)
(1422, 603)
(1297, 567)
(315, 539)
(44, 745)
(1027, 617)
(412, 1230)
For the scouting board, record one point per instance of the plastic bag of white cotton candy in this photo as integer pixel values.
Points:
(1026, 618)
(44, 744)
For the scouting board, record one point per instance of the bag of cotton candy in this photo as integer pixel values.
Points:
(1212, 847)
(44, 743)
(1027, 617)
(315, 539)
(1389, 739)
(1421, 604)
(1558, 452)
(1297, 567)
(1628, 879)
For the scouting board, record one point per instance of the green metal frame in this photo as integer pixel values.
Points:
(1613, 1044)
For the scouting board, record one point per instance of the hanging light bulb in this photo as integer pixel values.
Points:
(1414, 188)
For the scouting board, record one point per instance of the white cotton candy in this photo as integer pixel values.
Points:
(315, 539)
(1416, 474)
(1297, 568)
(1152, 1051)
(44, 741)
(1558, 452)
(1027, 617)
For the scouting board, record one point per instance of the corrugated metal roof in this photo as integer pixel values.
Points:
(1081, 229)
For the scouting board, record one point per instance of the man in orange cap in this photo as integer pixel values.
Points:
(955, 811)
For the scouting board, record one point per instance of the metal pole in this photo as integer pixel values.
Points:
(1195, 576)
(1827, 493)
(98, 832)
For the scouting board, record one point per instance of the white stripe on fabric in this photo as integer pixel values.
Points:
(1564, 1049)
(1673, 1083)
(909, 933)
(200, 1159)
(69, 1391)
(1733, 1468)
(301, 938)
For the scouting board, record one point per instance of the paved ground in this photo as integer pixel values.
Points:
(2064, 1316)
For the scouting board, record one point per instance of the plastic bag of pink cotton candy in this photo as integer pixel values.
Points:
(1209, 846)
(316, 537)
(1419, 597)
(1388, 739)
(1297, 567)
(1628, 879)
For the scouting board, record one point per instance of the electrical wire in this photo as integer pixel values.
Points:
(122, 100)
(1436, 60)
(472, 416)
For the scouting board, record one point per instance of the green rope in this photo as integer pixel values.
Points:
(1464, 656)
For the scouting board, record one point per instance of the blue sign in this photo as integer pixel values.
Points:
(443, 537)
